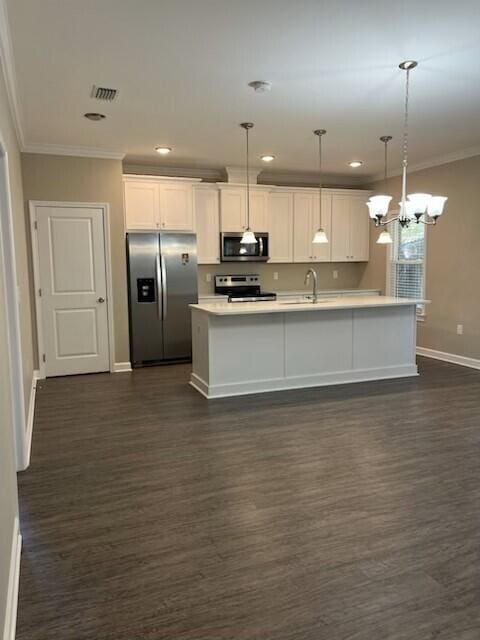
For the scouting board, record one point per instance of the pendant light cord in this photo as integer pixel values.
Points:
(405, 142)
(248, 186)
(320, 178)
(385, 164)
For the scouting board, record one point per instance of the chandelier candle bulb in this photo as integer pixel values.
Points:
(435, 206)
(420, 201)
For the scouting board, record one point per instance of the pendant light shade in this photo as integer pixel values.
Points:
(378, 206)
(248, 236)
(435, 206)
(419, 201)
(384, 238)
(320, 237)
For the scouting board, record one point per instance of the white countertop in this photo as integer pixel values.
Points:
(279, 306)
(299, 293)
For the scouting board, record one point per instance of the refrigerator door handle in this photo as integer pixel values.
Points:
(164, 287)
(158, 282)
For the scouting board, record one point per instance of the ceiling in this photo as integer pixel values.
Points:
(182, 68)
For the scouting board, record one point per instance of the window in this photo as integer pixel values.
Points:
(406, 263)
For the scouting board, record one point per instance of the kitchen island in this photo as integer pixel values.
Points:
(242, 348)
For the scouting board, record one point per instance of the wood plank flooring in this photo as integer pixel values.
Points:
(339, 513)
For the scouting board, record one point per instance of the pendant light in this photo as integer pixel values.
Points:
(416, 206)
(384, 237)
(320, 237)
(248, 236)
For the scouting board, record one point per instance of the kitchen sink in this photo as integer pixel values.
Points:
(319, 301)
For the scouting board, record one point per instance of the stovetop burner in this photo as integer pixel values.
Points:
(242, 288)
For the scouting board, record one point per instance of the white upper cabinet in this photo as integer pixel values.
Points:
(306, 220)
(360, 229)
(350, 228)
(176, 206)
(141, 205)
(207, 224)
(280, 226)
(289, 215)
(259, 211)
(158, 203)
(233, 209)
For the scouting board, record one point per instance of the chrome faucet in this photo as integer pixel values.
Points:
(312, 272)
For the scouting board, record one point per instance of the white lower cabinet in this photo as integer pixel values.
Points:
(306, 222)
(207, 224)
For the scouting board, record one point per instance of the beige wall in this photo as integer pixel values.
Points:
(290, 276)
(453, 257)
(8, 481)
(73, 179)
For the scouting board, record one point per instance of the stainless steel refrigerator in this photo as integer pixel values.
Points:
(162, 282)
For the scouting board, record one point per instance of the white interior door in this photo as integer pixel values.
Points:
(72, 273)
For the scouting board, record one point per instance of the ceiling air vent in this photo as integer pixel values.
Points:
(104, 93)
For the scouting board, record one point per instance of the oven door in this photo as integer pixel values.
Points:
(232, 250)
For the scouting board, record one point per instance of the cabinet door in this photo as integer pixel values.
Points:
(303, 224)
(141, 205)
(280, 226)
(207, 223)
(322, 252)
(340, 228)
(258, 211)
(232, 209)
(359, 229)
(176, 207)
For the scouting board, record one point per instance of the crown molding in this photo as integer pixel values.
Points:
(308, 179)
(8, 66)
(209, 175)
(66, 150)
(437, 161)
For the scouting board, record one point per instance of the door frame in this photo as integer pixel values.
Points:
(105, 207)
(12, 312)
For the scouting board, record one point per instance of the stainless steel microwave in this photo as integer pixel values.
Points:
(232, 250)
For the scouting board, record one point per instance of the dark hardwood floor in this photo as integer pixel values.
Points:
(348, 512)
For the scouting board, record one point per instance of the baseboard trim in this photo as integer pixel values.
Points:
(30, 419)
(13, 582)
(300, 382)
(120, 367)
(453, 358)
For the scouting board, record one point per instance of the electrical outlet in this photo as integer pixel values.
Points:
(460, 329)
(275, 275)
(208, 277)
(335, 274)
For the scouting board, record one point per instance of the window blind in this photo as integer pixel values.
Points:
(406, 264)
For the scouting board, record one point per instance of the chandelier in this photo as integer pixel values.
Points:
(416, 206)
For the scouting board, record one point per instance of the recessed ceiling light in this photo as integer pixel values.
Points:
(260, 86)
(267, 158)
(355, 163)
(95, 117)
(163, 150)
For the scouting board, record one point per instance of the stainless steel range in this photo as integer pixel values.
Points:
(242, 288)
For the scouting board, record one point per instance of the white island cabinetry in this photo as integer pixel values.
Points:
(267, 346)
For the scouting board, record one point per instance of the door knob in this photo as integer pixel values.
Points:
(101, 300)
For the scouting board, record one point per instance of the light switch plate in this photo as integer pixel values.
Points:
(208, 277)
